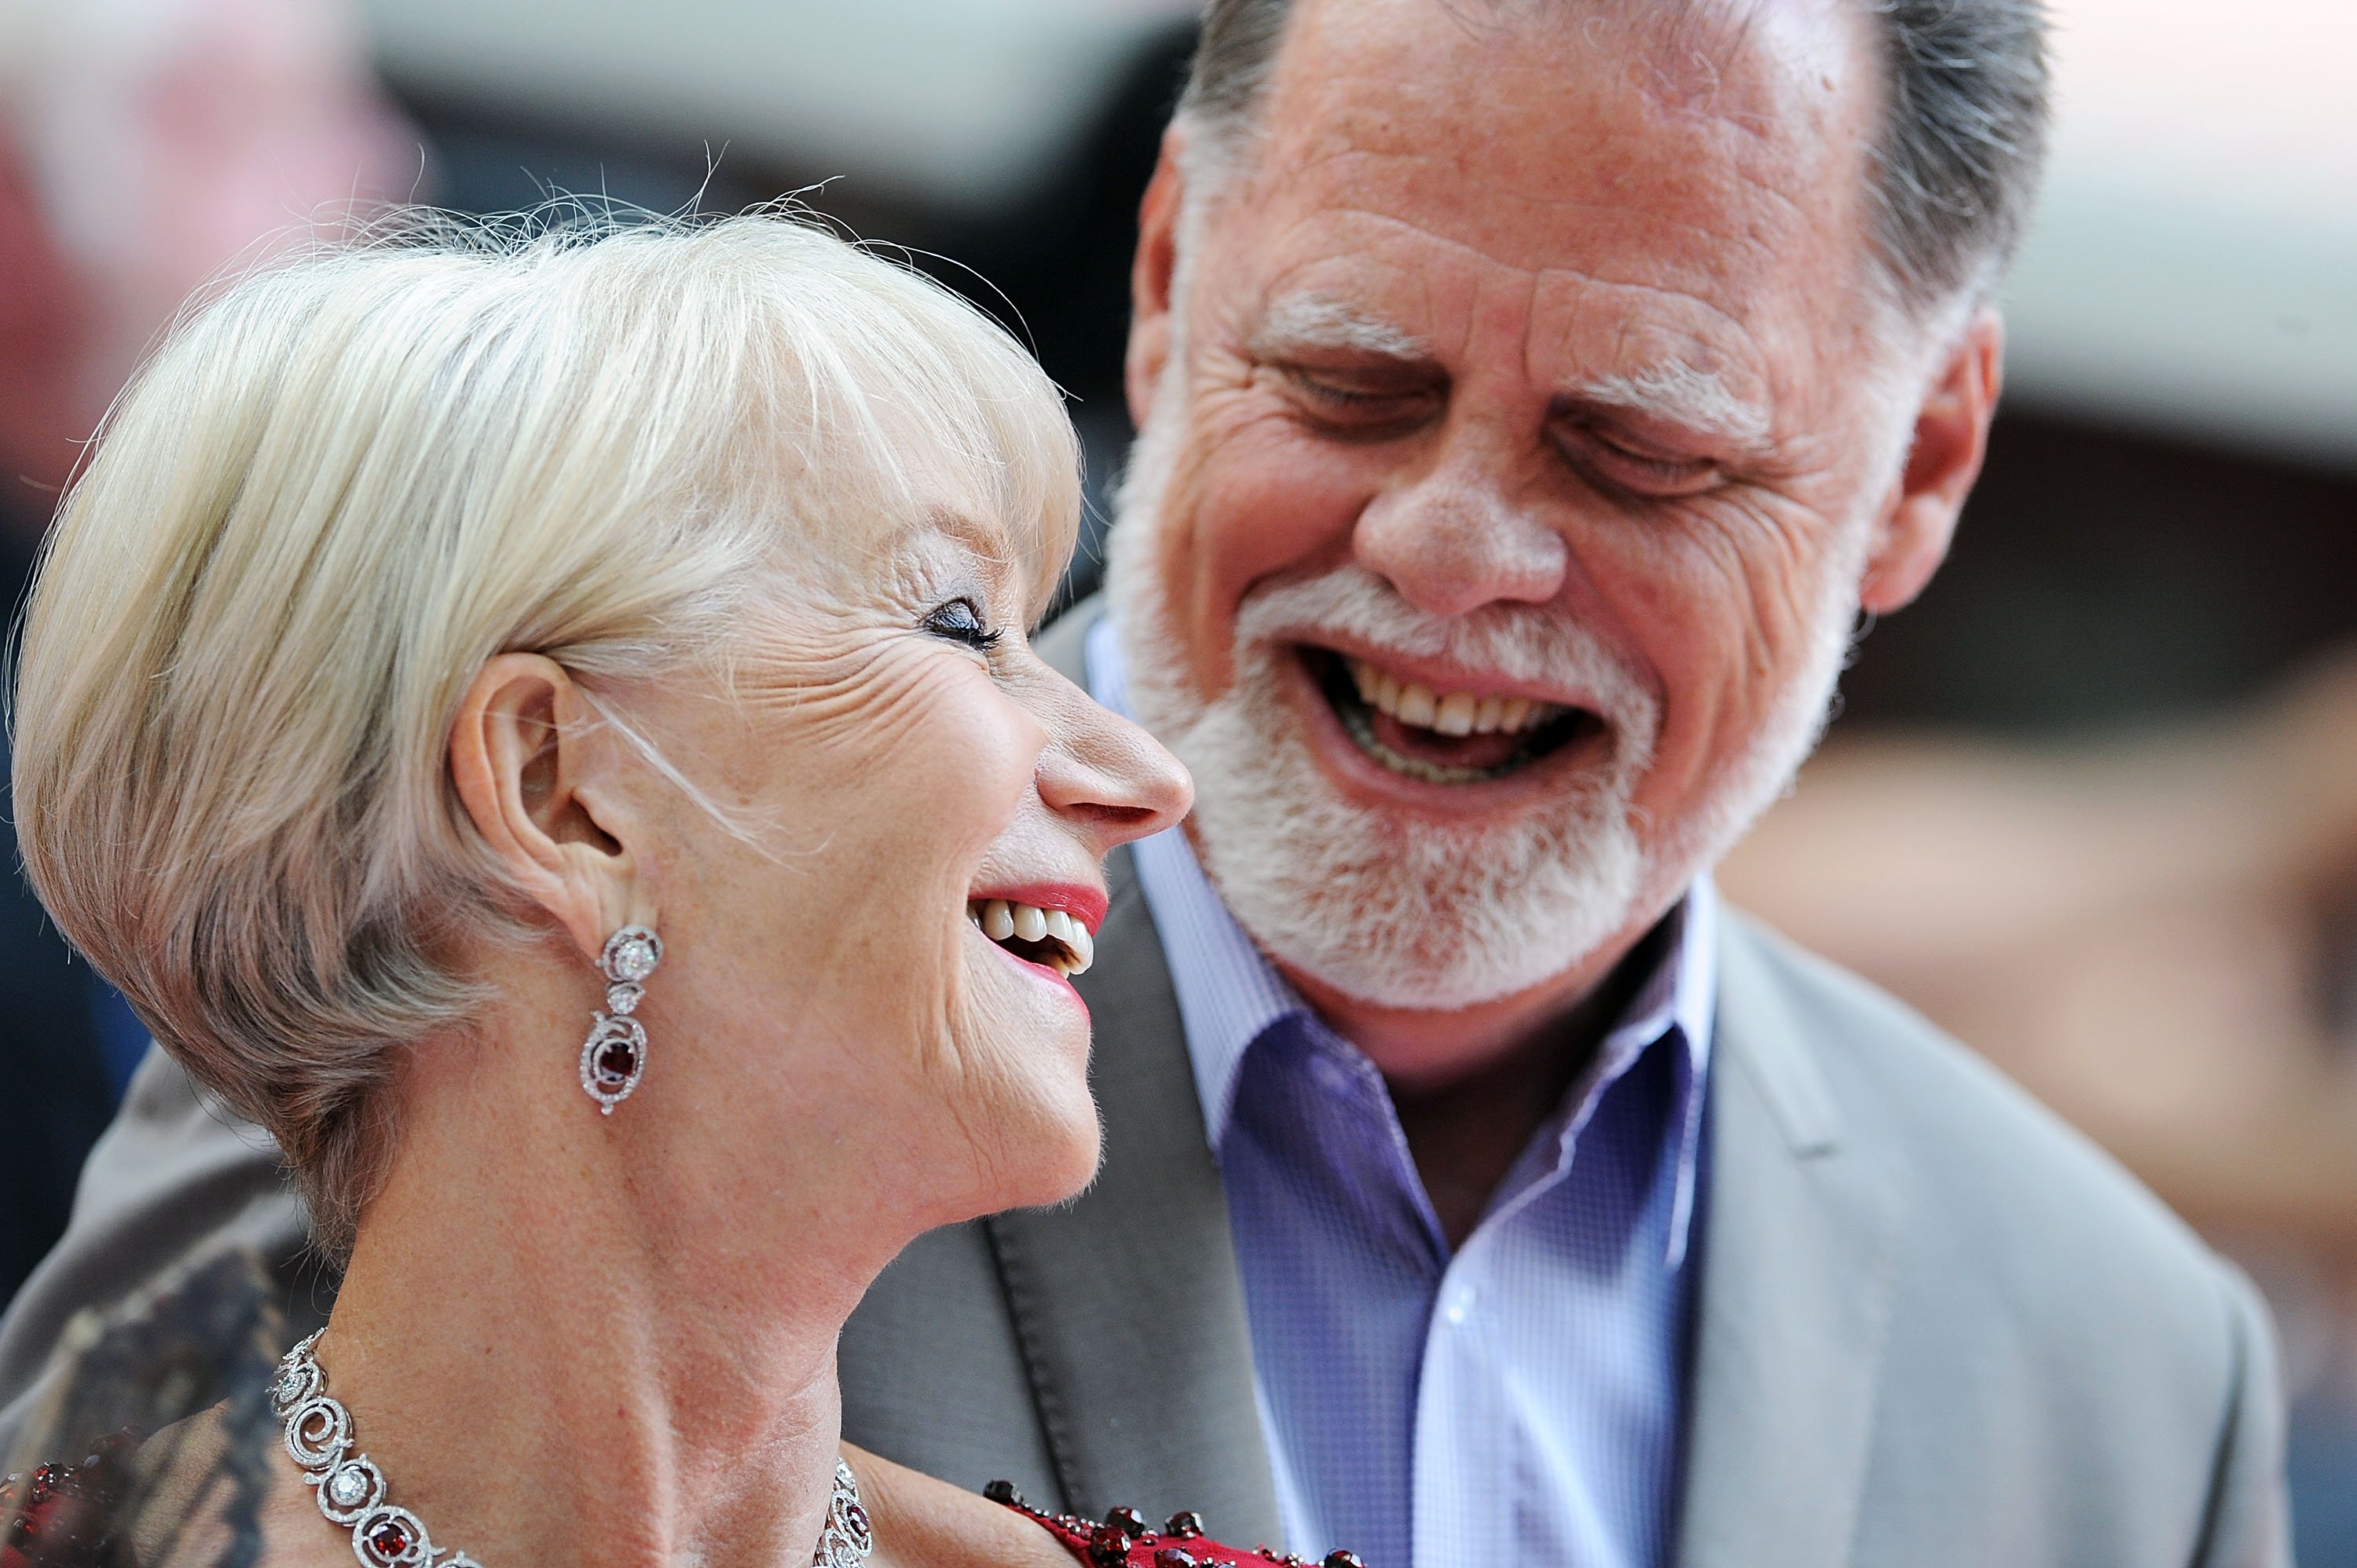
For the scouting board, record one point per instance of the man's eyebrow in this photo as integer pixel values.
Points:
(1680, 393)
(1311, 321)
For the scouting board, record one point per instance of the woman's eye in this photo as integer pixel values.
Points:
(960, 621)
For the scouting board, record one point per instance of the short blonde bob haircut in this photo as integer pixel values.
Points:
(344, 484)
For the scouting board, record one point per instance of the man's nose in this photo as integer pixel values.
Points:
(1454, 540)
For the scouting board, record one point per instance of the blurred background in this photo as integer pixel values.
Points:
(2091, 805)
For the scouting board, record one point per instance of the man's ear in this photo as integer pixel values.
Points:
(525, 760)
(1152, 274)
(1950, 440)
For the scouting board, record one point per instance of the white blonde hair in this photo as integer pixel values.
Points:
(342, 486)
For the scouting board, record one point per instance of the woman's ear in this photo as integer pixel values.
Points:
(525, 757)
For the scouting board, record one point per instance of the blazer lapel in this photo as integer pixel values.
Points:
(1794, 1297)
(1126, 1301)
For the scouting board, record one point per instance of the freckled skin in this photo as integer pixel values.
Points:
(1547, 199)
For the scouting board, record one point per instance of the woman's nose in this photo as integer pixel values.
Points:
(1108, 773)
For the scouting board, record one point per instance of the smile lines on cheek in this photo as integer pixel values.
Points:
(1048, 937)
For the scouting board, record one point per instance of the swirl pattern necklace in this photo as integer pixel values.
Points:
(353, 1491)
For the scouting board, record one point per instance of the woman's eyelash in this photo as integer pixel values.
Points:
(960, 621)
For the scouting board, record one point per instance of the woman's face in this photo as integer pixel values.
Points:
(891, 769)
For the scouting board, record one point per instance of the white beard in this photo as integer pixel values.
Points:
(1392, 909)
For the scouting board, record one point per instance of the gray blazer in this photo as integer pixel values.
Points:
(1935, 1326)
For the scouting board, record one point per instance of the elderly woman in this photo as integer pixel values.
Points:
(543, 724)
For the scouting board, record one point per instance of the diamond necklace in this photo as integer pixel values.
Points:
(351, 1490)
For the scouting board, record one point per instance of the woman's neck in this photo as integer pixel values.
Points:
(553, 1360)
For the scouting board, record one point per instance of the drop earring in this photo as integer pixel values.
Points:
(613, 1056)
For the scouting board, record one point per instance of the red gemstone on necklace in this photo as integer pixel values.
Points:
(616, 1062)
(389, 1539)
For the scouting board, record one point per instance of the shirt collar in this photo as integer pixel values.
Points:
(1229, 994)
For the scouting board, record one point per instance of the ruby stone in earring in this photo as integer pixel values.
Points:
(613, 1056)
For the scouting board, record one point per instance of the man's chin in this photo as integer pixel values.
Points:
(1371, 968)
(1398, 911)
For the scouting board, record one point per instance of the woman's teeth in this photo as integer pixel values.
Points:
(1447, 712)
(1044, 936)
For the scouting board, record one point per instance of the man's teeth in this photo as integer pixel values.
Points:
(1067, 947)
(1447, 712)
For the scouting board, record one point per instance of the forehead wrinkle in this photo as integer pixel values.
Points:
(1488, 250)
(1630, 366)
(1510, 193)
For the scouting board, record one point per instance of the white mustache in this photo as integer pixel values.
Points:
(1514, 642)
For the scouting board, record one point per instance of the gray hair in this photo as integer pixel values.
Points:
(1956, 162)
(338, 489)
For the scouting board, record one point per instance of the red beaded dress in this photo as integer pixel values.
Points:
(1124, 1539)
(62, 1516)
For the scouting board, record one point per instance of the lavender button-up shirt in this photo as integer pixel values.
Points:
(1519, 1398)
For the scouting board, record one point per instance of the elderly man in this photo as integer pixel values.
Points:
(1533, 392)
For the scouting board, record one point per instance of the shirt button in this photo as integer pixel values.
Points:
(1331, 1076)
(1459, 1307)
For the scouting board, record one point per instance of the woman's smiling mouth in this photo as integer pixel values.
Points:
(1052, 927)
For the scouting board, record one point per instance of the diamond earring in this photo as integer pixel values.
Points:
(613, 1056)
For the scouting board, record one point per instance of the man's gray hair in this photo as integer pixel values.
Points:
(1957, 162)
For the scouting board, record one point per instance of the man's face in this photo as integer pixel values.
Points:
(1503, 491)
